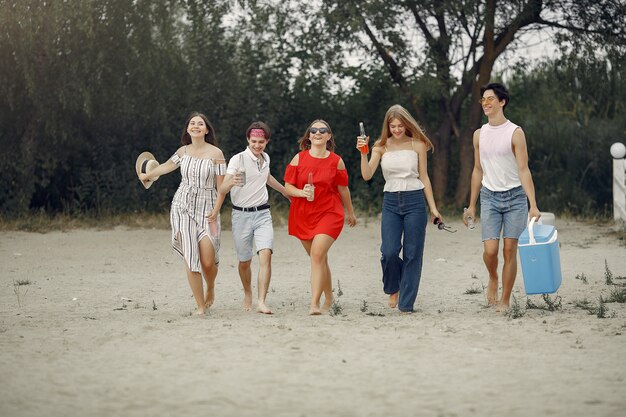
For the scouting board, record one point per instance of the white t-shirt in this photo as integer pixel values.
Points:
(497, 160)
(254, 192)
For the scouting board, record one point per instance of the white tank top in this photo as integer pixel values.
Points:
(496, 157)
(400, 171)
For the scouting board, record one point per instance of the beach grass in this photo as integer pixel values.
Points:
(582, 277)
(20, 293)
(516, 311)
(474, 289)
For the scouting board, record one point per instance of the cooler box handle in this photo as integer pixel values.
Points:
(531, 234)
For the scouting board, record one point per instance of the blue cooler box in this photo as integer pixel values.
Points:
(539, 255)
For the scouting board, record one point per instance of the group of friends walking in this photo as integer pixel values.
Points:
(316, 184)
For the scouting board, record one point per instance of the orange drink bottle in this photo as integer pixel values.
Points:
(365, 148)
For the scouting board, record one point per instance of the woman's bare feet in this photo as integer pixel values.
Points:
(247, 300)
(262, 308)
(200, 312)
(393, 299)
(315, 310)
(502, 307)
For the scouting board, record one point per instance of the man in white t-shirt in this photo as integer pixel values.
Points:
(247, 177)
(502, 177)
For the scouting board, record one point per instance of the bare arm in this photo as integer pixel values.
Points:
(477, 178)
(164, 168)
(273, 183)
(291, 189)
(422, 167)
(228, 183)
(521, 156)
(369, 167)
(346, 199)
(219, 180)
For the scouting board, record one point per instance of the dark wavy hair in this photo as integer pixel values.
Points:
(499, 90)
(208, 138)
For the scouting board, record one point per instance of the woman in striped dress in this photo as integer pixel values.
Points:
(195, 213)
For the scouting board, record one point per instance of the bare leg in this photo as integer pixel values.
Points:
(209, 269)
(509, 272)
(319, 270)
(490, 256)
(245, 274)
(328, 288)
(195, 283)
(265, 274)
(306, 244)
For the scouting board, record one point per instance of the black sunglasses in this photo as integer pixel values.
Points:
(437, 222)
(322, 130)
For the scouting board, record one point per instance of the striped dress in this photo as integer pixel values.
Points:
(193, 202)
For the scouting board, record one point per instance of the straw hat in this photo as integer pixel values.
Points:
(146, 162)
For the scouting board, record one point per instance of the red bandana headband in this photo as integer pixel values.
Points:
(257, 133)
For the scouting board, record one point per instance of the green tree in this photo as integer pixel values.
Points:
(584, 95)
(77, 91)
(447, 49)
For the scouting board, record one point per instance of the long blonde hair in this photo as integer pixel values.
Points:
(412, 128)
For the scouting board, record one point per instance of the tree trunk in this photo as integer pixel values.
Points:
(438, 172)
(466, 160)
(466, 154)
(441, 158)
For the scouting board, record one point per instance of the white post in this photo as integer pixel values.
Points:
(618, 152)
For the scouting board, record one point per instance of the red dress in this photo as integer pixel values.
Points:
(323, 215)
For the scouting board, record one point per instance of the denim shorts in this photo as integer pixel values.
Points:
(503, 213)
(252, 227)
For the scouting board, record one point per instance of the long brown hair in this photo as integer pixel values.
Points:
(305, 141)
(412, 128)
(210, 135)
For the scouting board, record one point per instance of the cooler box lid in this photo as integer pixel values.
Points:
(542, 233)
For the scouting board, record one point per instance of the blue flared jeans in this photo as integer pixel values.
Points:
(403, 228)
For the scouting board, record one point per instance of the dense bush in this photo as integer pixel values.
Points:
(85, 86)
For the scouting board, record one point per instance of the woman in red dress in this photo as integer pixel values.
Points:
(317, 179)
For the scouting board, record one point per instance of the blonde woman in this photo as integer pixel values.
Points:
(401, 152)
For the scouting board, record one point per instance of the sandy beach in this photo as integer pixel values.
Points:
(102, 327)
